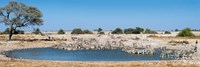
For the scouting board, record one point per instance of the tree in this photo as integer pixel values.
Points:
(17, 15)
(87, 32)
(37, 31)
(77, 31)
(185, 33)
(99, 30)
(61, 31)
(176, 30)
(117, 31)
(139, 30)
(167, 32)
(129, 31)
(149, 31)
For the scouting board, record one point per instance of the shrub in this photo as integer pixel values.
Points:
(148, 31)
(176, 30)
(129, 31)
(61, 31)
(185, 33)
(15, 31)
(117, 31)
(77, 31)
(137, 30)
(167, 32)
(87, 32)
(37, 31)
(101, 32)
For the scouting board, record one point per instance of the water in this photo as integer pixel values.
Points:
(79, 55)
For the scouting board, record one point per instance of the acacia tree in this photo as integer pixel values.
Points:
(17, 15)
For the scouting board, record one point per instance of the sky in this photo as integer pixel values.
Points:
(110, 14)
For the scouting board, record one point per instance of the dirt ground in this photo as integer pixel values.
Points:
(34, 63)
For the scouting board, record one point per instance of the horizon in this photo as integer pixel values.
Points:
(111, 14)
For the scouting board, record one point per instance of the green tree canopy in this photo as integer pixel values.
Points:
(117, 31)
(185, 33)
(149, 31)
(87, 32)
(61, 31)
(16, 15)
(37, 31)
(99, 30)
(77, 31)
(176, 30)
(129, 31)
(167, 32)
(137, 30)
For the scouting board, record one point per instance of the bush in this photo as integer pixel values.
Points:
(176, 30)
(87, 32)
(77, 31)
(138, 30)
(167, 32)
(37, 31)
(117, 31)
(61, 31)
(148, 31)
(15, 31)
(129, 31)
(101, 32)
(185, 33)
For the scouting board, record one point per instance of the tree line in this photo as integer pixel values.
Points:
(136, 30)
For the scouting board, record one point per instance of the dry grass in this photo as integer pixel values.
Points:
(34, 63)
(173, 37)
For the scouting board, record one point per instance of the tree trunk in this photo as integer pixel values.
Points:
(10, 32)
(10, 36)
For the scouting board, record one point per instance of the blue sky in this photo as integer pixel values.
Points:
(110, 14)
